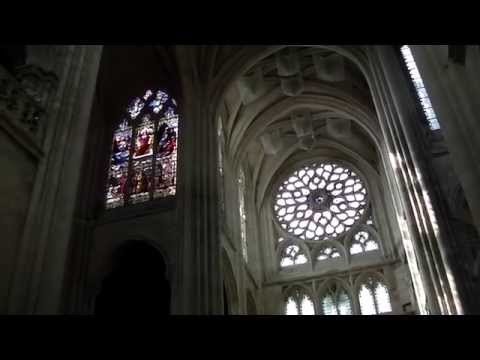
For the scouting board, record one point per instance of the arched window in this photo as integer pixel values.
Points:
(374, 298)
(419, 87)
(292, 255)
(144, 155)
(363, 241)
(335, 301)
(299, 303)
(328, 252)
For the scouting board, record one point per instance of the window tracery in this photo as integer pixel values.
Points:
(328, 252)
(298, 302)
(292, 255)
(374, 297)
(336, 301)
(335, 298)
(320, 201)
(363, 241)
(144, 152)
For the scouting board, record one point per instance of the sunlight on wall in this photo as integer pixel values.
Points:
(420, 88)
(450, 278)
(413, 266)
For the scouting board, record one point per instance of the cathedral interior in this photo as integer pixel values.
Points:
(240, 180)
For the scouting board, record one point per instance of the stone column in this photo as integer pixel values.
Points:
(199, 287)
(401, 127)
(36, 286)
(454, 90)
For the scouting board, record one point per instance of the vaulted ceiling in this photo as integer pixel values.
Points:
(270, 115)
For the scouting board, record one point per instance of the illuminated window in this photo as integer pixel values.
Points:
(320, 201)
(299, 303)
(374, 298)
(292, 255)
(328, 252)
(420, 87)
(243, 217)
(363, 241)
(143, 165)
(335, 301)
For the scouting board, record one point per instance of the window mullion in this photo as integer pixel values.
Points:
(372, 290)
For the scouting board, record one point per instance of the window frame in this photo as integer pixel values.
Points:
(134, 125)
(414, 92)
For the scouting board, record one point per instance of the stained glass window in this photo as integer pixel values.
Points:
(419, 87)
(143, 165)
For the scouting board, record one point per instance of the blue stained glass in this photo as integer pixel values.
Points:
(121, 147)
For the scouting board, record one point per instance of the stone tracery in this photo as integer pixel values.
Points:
(320, 201)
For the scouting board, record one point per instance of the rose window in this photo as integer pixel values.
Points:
(320, 201)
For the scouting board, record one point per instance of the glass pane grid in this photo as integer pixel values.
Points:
(420, 88)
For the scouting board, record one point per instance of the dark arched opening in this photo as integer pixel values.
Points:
(137, 283)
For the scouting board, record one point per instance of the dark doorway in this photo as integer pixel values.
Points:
(137, 283)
